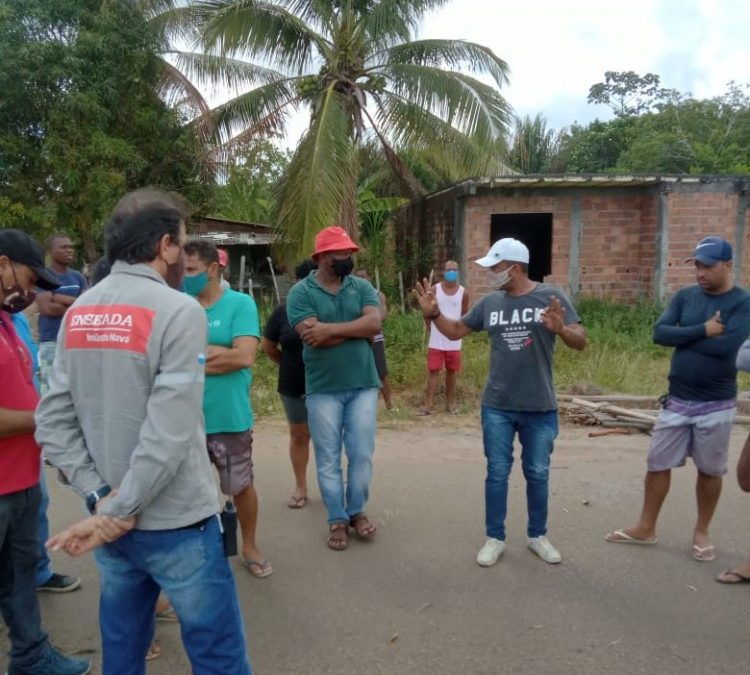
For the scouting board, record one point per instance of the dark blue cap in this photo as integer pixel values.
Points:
(711, 250)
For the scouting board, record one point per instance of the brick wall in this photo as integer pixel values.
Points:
(619, 231)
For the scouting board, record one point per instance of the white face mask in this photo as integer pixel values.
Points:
(499, 280)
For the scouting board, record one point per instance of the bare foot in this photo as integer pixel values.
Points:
(631, 535)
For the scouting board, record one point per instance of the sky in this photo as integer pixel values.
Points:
(556, 50)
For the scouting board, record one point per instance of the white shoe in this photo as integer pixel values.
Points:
(491, 552)
(545, 550)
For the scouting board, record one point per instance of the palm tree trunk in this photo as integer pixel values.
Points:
(348, 212)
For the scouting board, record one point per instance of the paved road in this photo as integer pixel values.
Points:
(414, 601)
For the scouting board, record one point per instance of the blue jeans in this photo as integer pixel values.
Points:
(43, 566)
(19, 548)
(189, 565)
(348, 417)
(537, 432)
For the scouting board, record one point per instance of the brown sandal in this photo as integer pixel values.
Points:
(362, 526)
(338, 536)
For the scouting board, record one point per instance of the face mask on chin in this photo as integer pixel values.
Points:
(343, 268)
(499, 280)
(17, 298)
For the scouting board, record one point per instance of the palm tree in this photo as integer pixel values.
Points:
(534, 148)
(354, 66)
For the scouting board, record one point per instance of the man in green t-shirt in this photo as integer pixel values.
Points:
(233, 334)
(337, 315)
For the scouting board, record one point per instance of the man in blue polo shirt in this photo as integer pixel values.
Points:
(53, 305)
(337, 315)
(706, 324)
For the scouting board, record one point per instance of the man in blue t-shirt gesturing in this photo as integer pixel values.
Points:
(53, 305)
(706, 324)
(522, 318)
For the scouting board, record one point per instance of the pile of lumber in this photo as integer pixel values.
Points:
(616, 414)
(603, 412)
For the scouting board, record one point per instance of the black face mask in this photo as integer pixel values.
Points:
(17, 298)
(175, 273)
(343, 268)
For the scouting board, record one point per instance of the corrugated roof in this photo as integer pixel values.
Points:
(530, 181)
(235, 238)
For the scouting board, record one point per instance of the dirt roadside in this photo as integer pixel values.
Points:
(414, 601)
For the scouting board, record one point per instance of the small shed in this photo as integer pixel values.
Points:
(621, 237)
(251, 241)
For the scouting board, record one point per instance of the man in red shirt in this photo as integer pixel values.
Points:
(21, 268)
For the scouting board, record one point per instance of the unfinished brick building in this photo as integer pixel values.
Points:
(621, 237)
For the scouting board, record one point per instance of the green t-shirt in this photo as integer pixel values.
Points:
(349, 365)
(226, 398)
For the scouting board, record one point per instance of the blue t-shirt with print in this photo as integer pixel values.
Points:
(71, 283)
(226, 397)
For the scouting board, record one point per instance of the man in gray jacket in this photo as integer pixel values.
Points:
(122, 421)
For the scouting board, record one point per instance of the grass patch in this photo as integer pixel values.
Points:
(620, 358)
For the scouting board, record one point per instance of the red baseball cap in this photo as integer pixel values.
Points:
(223, 257)
(333, 238)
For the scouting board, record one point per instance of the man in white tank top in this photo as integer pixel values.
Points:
(442, 353)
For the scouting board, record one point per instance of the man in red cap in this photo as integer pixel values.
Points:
(337, 315)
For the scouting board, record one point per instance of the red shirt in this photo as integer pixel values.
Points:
(19, 455)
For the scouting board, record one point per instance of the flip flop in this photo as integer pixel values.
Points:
(423, 412)
(297, 502)
(154, 651)
(167, 616)
(704, 554)
(738, 578)
(264, 568)
(622, 537)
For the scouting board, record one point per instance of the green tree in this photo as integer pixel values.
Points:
(81, 121)
(354, 66)
(248, 194)
(628, 93)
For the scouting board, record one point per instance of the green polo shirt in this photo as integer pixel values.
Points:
(349, 365)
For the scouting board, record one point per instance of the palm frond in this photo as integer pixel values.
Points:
(388, 22)
(472, 107)
(214, 69)
(319, 178)
(457, 55)
(410, 126)
(264, 105)
(261, 31)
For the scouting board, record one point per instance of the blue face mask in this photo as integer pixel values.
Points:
(450, 275)
(195, 284)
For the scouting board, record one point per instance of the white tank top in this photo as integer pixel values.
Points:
(450, 308)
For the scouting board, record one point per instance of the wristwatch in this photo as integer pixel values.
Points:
(95, 497)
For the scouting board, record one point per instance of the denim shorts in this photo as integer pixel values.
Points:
(295, 409)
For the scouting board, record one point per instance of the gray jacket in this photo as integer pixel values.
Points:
(743, 357)
(124, 407)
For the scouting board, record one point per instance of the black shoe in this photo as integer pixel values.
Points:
(59, 583)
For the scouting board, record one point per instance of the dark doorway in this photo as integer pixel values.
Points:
(534, 230)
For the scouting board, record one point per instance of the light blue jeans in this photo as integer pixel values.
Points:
(537, 432)
(349, 418)
(189, 565)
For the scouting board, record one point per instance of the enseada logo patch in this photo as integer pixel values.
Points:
(123, 327)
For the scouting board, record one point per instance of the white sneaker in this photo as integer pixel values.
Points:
(545, 550)
(491, 552)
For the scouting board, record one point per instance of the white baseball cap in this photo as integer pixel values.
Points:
(508, 249)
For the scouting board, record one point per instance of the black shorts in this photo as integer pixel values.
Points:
(378, 351)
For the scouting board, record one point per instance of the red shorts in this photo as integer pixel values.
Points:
(437, 359)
